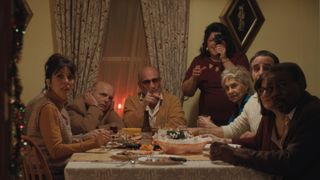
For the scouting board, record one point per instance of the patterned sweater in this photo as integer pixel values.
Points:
(49, 127)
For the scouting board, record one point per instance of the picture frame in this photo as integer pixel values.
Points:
(244, 20)
(27, 11)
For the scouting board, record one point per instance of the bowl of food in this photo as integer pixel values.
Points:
(174, 142)
(173, 148)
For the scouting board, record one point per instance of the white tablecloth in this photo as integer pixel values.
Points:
(192, 169)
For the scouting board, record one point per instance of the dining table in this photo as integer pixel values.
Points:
(102, 163)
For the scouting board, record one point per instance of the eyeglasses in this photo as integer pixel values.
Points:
(267, 91)
(279, 87)
(148, 81)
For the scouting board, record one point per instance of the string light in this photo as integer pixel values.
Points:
(17, 108)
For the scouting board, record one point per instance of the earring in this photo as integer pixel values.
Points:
(48, 83)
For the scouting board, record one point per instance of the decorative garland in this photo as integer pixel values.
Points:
(17, 108)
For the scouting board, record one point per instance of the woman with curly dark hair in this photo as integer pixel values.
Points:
(217, 53)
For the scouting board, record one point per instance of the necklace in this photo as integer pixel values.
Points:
(215, 64)
(216, 69)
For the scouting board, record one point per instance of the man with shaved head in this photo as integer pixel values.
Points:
(164, 109)
(94, 109)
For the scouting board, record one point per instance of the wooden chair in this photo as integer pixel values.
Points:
(35, 166)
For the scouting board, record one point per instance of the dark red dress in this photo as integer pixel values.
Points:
(213, 99)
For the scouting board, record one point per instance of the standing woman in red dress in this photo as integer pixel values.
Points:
(217, 53)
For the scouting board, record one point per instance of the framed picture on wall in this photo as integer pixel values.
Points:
(244, 19)
(27, 12)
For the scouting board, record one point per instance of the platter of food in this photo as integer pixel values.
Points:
(125, 155)
(161, 160)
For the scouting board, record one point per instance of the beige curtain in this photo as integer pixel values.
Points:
(166, 26)
(79, 30)
(125, 50)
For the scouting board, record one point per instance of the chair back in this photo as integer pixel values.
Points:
(35, 166)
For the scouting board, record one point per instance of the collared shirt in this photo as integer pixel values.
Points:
(274, 137)
(291, 113)
(154, 111)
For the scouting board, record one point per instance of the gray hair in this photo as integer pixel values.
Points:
(240, 74)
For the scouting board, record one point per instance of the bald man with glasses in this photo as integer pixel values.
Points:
(164, 109)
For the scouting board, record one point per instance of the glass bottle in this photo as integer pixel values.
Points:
(146, 130)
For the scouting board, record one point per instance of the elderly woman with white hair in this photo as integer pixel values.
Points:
(238, 85)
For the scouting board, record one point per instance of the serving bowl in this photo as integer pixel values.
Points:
(178, 149)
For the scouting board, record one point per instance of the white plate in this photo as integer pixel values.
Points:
(235, 145)
(158, 160)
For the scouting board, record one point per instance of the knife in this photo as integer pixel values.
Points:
(179, 159)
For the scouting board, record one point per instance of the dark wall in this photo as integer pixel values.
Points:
(5, 52)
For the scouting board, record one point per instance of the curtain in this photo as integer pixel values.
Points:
(79, 29)
(125, 50)
(166, 26)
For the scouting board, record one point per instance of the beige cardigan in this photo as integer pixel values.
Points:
(170, 114)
